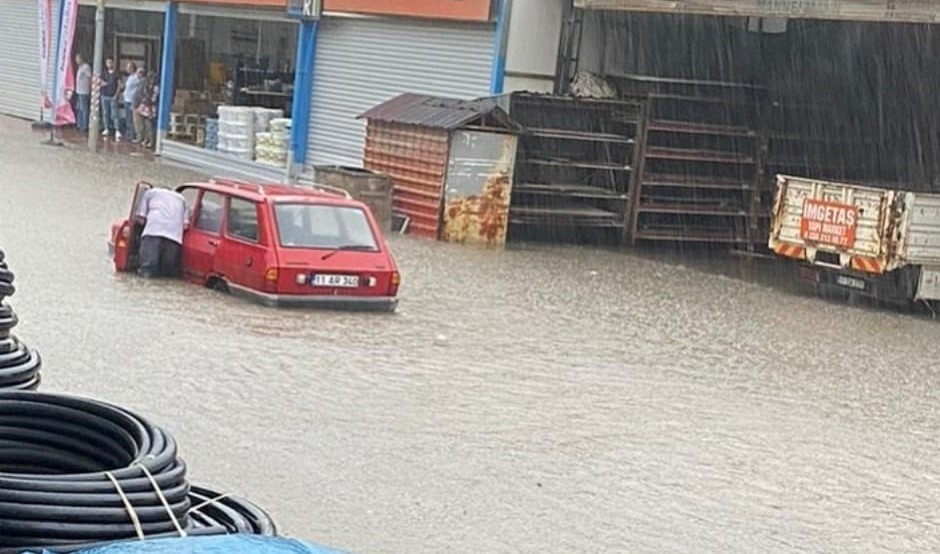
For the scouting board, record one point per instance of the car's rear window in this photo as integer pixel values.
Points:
(323, 226)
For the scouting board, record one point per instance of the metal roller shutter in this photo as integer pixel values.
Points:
(363, 62)
(19, 59)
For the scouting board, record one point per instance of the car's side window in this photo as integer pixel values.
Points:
(210, 213)
(242, 219)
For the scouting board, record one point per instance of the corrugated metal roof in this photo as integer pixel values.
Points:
(438, 112)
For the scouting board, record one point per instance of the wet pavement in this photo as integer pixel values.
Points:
(538, 399)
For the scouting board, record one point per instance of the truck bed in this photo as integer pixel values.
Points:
(864, 228)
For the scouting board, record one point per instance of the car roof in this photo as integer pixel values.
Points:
(277, 192)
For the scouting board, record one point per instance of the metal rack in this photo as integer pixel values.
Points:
(574, 165)
(699, 172)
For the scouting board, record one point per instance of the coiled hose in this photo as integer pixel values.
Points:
(6, 278)
(76, 472)
(19, 364)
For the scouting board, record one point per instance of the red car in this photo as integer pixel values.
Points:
(280, 245)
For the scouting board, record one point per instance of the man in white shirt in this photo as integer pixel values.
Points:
(165, 214)
(82, 93)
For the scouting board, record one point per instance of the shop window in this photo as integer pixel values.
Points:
(210, 213)
(242, 219)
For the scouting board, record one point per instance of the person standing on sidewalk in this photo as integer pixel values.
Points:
(110, 79)
(164, 213)
(148, 111)
(131, 86)
(82, 93)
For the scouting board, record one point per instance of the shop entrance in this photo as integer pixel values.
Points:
(141, 50)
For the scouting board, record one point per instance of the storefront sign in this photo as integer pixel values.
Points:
(465, 10)
(829, 223)
(923, 11)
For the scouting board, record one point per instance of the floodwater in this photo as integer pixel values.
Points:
(534, 400)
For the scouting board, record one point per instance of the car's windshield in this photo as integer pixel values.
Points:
(323, 226)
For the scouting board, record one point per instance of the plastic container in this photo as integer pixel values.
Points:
(236, 114)
(280, 125)
(238, 142)
(233, 128)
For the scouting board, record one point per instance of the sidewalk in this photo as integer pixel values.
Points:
(105, 145)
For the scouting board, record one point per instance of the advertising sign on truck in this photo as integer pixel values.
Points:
(829, 222)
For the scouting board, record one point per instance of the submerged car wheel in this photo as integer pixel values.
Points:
(217, 284)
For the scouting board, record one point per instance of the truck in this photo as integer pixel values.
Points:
(868, 241)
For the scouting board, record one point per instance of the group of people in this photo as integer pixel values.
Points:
(128, 101)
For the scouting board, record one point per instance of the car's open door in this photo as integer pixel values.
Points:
(127, 242)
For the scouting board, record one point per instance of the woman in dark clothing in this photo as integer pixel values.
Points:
(147, 110)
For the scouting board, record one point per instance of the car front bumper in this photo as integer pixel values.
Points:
(348, 303)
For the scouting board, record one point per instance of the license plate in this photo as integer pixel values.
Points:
(850, 282)
(326, 280)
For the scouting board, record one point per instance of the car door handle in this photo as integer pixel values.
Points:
(213, 243)
(249, 262)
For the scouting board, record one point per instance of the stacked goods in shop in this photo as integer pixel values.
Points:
(280, 126)
(237, 131)
(272, 147)
(19, 364)
(212, 135)
(263, 117)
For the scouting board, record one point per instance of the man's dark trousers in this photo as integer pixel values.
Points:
(159, 257)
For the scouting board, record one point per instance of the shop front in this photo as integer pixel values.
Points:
(368, 52)
(133, 31)
(228, 105)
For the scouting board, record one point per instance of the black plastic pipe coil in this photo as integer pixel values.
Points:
(76, 472)
(19, 364)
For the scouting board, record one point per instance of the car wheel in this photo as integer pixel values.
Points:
(218, 284)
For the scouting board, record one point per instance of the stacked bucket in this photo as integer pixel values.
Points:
(212, 135)
(271, 147)
(237, 131)
(19, 364)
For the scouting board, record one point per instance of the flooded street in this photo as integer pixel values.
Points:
(534, 400)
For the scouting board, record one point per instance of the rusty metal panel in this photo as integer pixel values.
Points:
(416, 160)
(922, 232)
(877, 226)
(479, 185)
(897, 11)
